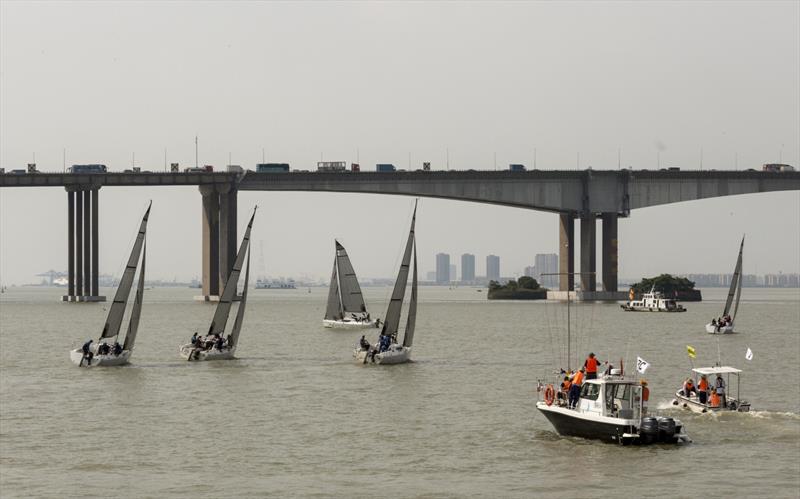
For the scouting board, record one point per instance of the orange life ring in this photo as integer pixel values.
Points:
(549, 395)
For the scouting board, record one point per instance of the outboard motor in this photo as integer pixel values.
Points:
(666, 429)
(648, 431)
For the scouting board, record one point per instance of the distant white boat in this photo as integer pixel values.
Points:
(346, 307)
(95, 354)
(215, 346)
(654, 301)
(392, 352)
(724, 324)
(275, 284)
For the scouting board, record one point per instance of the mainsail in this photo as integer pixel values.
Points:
(392, 321)
(349, 290)
(136, 312)
(117, 310)
(229, 293)
(738, 271)
(408, 338)
(736, 285)
(334, 310)
(237, 322)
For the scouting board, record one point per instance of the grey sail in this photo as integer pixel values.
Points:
(334, 310)
(349, 290)
(392, 320)
(136, 312)
(229, 293)
(237, 322)
(738, 271)
(117, 310)
(408, 338)
(737, 275)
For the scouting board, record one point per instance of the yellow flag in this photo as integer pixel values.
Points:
(690, 351)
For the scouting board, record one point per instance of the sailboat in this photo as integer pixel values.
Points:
(725, 322)
(94, 354)
(388, 351)
(215, 346)
(346, 308)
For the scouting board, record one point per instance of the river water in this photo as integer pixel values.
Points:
(295, 417)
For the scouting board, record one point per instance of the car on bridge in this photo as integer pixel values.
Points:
(88, 169)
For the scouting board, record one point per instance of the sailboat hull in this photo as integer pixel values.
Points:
(396, 354)
(348, 324)
(76, 356)
(189, 352)
(719, 330)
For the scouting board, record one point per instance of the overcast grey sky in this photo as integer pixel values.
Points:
(658, 81)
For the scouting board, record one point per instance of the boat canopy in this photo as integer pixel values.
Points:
(717, 370)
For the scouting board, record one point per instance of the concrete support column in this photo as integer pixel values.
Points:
(210, 240)
(70, 242)
(588, 253)
(95, 243)
(227, 232)
(87, 242)
(78, 243)
(566, 252)
(609, 252)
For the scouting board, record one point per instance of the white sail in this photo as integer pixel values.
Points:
(117, 310)
(334, 309)
(229, 293)
(411, 322)
(735, 282)
(237, 322)
(392, 319)
(136, 311)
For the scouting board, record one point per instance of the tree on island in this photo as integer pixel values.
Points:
(668, 284)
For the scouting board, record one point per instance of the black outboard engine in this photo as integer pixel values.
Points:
(666, 429)
(648, 431)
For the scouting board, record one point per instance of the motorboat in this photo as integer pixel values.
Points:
(610, 409)
(710, 401)
(346, 307)
(215, 346)
(724, 324)
(654, 301)
(387, 350)
(93, 354)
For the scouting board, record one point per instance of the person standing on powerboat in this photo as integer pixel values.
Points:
(702, 389)
(719, 388)
(575, 388)
(591, 366)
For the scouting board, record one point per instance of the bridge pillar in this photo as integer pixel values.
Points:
(588, 253)
(609, 251)
(566, 252)
(227, 232)
(83, 244)
(210, 242)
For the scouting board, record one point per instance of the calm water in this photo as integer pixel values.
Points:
(294, 416)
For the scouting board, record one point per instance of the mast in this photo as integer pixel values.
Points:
(411, 322)
(237, 322)
(136, 312)
(229, 293)
(392, 319)
(117, 309)
(738, 270)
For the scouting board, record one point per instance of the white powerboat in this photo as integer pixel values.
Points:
(215, 346)
(346, 307)
(654, 301)
(724, 324)
(387, 350)
(94, 354)
(709, 401)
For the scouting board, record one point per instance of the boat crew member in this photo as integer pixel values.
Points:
(363, 343)
(104, 349)
(575, 388)
(194, 338)
(645, 396)
(228, 341)
(719, 387)
(591, 367)
(702, 389)
(117, 348)
(564, 392)
(87, 353)
(688, 387)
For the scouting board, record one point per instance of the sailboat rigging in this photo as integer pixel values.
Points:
(725, 323)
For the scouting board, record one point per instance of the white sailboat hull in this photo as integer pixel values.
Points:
(396, 354)
(76, 356)
(189, 352)
(711, 329)
(348, 324)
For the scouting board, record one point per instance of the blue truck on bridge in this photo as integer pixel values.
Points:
(88, 169)
(384, 167)
(272, 167)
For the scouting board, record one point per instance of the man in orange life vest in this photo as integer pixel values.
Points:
(702, 389)
(575, 388)
(645, 395)
(591, 367)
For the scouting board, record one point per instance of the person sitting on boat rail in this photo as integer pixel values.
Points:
(591, 367)
(117, 348)
(719, 388)
(219, 343)
(194, 338)
(103, 349)
(688, 387)
(702, 389)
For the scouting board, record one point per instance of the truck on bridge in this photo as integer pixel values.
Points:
(384, 167)
(776, 167)
(332, 166)
(272, 167)
(88, 169)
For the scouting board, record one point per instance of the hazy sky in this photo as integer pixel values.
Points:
(575, 81)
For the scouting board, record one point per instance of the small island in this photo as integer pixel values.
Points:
(678, 288)
(524, 288)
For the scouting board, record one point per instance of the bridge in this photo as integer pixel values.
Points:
(587, 195)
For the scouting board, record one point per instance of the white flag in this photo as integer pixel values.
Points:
(641, 365)
(749, 354)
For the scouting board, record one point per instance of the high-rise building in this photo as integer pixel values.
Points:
(442, 268)
(453, 272)
(467, 267)
(546, 264)
(530, 272)
(493, 268)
